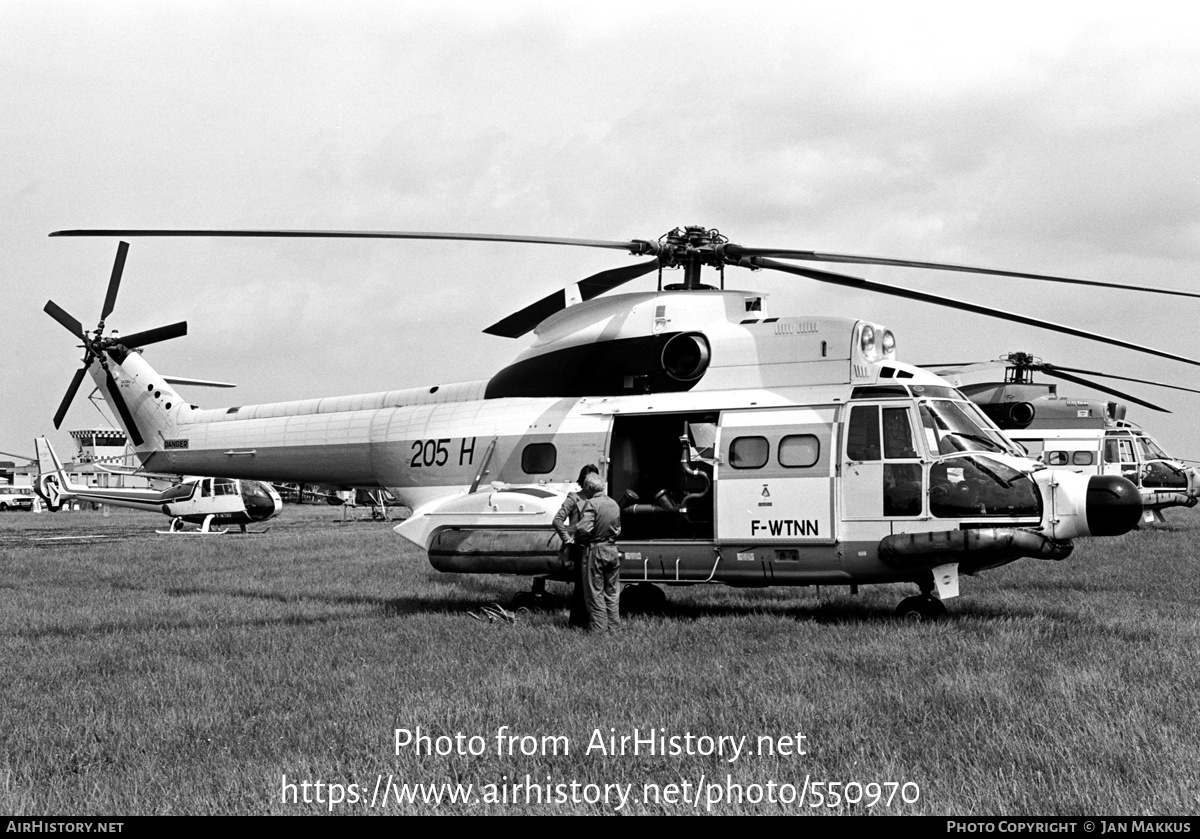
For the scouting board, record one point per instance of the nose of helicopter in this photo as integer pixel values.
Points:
(1114, 505)
(1193, 484)
(261, 500)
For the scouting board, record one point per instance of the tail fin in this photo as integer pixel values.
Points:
(53, 484)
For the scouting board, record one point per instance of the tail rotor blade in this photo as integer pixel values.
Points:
(153, 336)
(118, 400)
(70, 397)
(114, 282)
(60, 314)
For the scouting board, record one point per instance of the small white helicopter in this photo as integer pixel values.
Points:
(1090, 436)
(744, 447)
(205, 502)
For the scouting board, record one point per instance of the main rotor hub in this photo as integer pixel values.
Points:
(1020, 368)
(692, 245)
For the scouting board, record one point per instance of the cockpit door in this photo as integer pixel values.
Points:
(882, 472)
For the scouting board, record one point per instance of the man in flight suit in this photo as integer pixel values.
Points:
(564, 525)
(597, 532)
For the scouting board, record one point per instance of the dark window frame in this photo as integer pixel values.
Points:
(530, 466)
(816, 456)
(750, 437)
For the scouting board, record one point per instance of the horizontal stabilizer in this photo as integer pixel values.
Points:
(180, 380)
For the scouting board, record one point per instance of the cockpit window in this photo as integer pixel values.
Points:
(253, 489)
(1150, 449)
(959, 427)
(974, 485)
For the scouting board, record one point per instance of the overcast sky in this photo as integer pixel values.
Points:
(1054, 138)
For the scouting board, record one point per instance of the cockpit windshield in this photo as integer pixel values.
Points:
(977, 485)
(1150, 450)
(952, 427)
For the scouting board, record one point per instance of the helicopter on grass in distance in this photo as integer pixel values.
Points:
(745, 447)
(1090, 436)
(206, 503)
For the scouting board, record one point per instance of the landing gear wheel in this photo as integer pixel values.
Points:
(922, 608)
(646, 598)
(532, 601)
(523, 600)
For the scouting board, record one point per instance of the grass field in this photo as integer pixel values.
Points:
(145, 674)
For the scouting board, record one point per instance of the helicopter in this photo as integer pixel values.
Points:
(1090, 436)
(205, 502)
(744, 447)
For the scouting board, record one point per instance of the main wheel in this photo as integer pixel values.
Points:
(642, 597)
(921, 608)
(535, 601)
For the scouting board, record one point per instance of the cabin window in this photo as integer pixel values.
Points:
(1119, 451)
(749, 453)
(1056, 458)
(897, 434)
(799, 450)
(703, 439)
(1082, 459)
(862, 438)
(539, 458)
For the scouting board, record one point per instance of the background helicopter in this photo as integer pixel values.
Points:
(790, 409)
(206, 502)
(1086, 435)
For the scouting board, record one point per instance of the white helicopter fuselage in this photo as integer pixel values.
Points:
(786, 451)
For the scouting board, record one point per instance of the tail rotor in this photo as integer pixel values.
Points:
(98, 348)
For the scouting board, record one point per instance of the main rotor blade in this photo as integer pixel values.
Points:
(60, 314)
(818, 256)
(1051, 368)
(521, 322)
(122, 408)
(66, 402)
(23, 457)
(1103, 389)
(911, 294)
(635, 246)
(153, 336)
(114, 282)
(960, 366)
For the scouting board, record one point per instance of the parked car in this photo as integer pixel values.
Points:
(16, 498)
